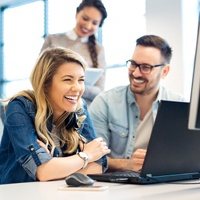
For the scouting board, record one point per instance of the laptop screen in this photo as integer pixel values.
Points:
(173, 148)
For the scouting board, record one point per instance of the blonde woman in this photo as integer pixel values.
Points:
(48, 133)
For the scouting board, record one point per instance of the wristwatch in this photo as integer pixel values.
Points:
(84, 157)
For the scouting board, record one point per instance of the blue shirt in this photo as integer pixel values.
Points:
(115, 115)
(20, 154)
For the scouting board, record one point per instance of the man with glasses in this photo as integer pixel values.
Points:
(124, 116)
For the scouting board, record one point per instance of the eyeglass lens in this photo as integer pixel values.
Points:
(144, 68)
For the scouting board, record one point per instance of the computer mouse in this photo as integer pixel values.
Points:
(78, 179)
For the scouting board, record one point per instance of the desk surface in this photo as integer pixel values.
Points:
(49, 190)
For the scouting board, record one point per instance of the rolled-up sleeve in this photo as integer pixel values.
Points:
(20, 127)
(35, 159)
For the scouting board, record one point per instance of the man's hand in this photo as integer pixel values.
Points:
(133, 164)
(138, 159)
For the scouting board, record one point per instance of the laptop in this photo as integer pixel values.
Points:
(173, 152)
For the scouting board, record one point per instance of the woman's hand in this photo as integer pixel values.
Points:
(43, 146)
(96, 149)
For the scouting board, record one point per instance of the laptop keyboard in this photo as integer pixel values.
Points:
(125, 174)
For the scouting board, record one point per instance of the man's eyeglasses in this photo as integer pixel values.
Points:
(144, 68)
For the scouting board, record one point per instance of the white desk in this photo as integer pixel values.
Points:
(49, 191)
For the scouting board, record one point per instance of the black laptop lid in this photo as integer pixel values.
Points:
(172, 149)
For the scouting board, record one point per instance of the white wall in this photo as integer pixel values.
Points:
(176, 21)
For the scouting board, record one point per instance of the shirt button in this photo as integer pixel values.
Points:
(123, 134)
(32, 149)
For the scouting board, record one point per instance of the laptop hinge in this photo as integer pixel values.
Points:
(148, 175)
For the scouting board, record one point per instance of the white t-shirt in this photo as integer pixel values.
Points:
(143, 131)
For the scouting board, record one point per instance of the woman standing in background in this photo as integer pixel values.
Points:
(90, 15)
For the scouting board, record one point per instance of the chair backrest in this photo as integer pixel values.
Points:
(1, 128)
(2, 115)
(1, 120)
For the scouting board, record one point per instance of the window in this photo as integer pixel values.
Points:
(61, 14)
(125, 23)
(22, 41)
(24, 29)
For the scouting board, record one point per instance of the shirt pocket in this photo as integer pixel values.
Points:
(119, 138)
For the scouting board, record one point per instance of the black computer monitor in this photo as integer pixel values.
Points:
(194, 111)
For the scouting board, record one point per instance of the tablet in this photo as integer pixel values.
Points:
(92, 75)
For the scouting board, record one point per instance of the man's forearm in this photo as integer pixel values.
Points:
(119, 164)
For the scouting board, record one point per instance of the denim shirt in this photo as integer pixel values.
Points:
(20, 154)
(115, 115)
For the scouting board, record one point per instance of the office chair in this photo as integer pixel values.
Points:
(1, 120)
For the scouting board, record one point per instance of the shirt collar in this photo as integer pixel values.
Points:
(131, 96)
(73, 36)
(160, 92)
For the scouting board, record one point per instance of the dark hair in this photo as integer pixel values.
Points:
(94, 3)
(157, 42)
(92, 40)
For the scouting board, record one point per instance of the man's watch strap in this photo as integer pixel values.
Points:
(84, 157)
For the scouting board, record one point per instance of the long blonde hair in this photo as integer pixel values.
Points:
(44, 70)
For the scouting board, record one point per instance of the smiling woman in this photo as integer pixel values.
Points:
(66, 88)
(50, 121)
